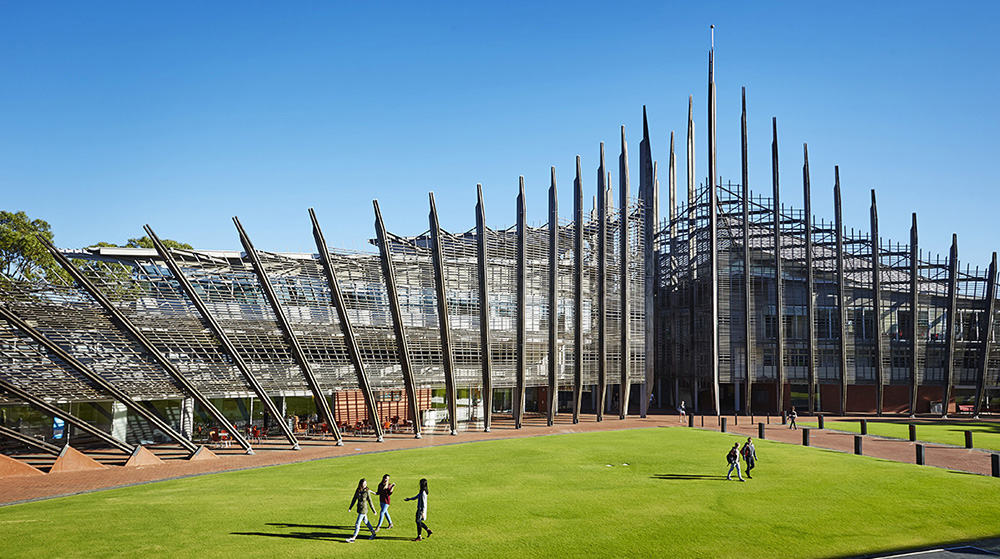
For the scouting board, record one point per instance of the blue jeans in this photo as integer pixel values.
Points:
(357, 525)
(735, 465)
(384, 513)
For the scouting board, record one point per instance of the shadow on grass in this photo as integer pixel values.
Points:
(341, 532)
(693, 477)
(321, 536)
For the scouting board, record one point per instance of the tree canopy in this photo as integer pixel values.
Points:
(22, 256)
(145, 242)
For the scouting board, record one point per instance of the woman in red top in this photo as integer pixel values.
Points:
(384, 492)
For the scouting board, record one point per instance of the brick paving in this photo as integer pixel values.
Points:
(274, 452)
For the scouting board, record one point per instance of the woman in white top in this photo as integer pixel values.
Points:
(421, 499)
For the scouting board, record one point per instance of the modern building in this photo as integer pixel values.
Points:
(733, 302)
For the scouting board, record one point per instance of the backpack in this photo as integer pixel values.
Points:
(731, 457)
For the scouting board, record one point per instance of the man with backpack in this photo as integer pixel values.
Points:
(734, 462)
(750, 455)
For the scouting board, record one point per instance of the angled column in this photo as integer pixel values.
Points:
(553, 400)
(949, 347)
(625, 349)
(221, 334)
(779, 357)
(602, 286)
(485, 341)
(841, 294)
(914, 311)
(713, 219)
(402, 346)
(350, 341)
(322, 404)
(521, 272)
(747, 264)
(125, 324)
(810, 281)
(73, 363)
(650, 208)
(877, 305)
(46, 447)
(51, 410)
(444, 320)
(987, 330)
(578, 225)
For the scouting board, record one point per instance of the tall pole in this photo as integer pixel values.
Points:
(877, 306)
(841, 289)
(949, 348)
(713, 201)
(578, 226)
(985, 334)
(672, 315)
(810, 280)
(747, 264)
(914, 313)
(648, 193)
(521, 306)
(444, 319)
(623, 279)
(602, 287)
(350, 340)
(779, 358)
(319, 397)
(402, 344)
(220, 333)
(693, 372)
(485, 338)
(553, 396)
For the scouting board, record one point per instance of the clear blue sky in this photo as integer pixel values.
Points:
(113, 115)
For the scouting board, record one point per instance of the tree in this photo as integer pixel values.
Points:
(145, 242)
(22, 256)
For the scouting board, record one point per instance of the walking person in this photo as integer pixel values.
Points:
(384, 492)
(681, 413)
(792, 416)
(749, 453)
(421, 499)
(363, 498)
(734, 462)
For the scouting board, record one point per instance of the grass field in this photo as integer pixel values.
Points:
(552, 496)
(984, 435)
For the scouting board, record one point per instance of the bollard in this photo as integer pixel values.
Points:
(968, 439)
(857, 444)
(920, 455)
(752, 421)
(821, 425)
(736, 419)
(805, 436)
(690, 421)
(864, 426)
(760, 431)
(722, 425)
(703, 421)
(784, 418)
(768, 419)
(913, 433)
(995, 458)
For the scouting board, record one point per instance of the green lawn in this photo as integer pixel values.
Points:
(552, 496)
(984, 435)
